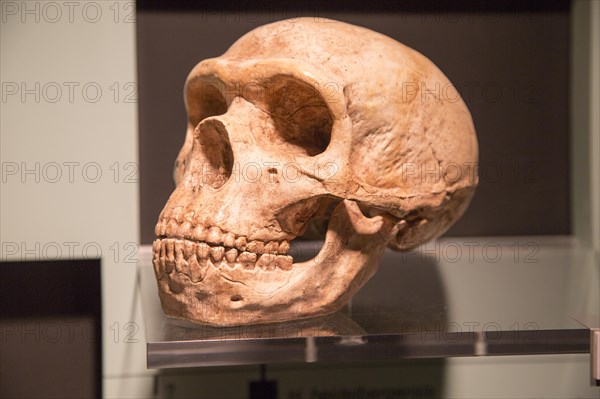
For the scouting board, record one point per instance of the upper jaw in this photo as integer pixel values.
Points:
(193, 250)
(215, 236)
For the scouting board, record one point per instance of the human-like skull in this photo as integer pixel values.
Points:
(301, 121)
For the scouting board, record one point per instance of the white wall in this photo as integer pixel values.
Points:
(69, 115)
(585, 121)
(594, 106)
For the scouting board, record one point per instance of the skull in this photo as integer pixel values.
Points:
(304, 122)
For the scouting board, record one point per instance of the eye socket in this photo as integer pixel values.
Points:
(204, 100)
(300, 115)
(302, 119)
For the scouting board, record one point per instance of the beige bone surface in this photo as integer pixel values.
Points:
(302, 122)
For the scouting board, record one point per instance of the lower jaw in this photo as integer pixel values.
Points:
(233, 296)
(221, 299)
(229, 294)
(224, 293)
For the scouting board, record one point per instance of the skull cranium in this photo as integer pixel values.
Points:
(296, 119)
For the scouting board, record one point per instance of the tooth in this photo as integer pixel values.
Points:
(163, 251)
(184, 230)
(162, 256)
(177, 212)
(230, 255)
(170, 256)
(161, 227)
(216, 254)
(190, 248)
(228, 240)
(197, 269)
(271, 247)
(170, 249)
(240, 243)
(267, 262)
(284, 247)
(178, 245)
(255, 246)
(172, 228)
(247, 259)
(179, 258)
(214, 235)
(199, 233)
(202, 250)
(158, 267)
(284, 262)
(155, 256)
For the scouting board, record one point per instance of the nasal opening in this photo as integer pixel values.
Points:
(218, 156)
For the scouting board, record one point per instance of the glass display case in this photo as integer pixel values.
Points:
(505, 297)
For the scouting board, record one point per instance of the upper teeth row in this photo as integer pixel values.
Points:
(169, 227)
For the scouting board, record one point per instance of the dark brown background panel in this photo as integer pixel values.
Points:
(509, 61)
